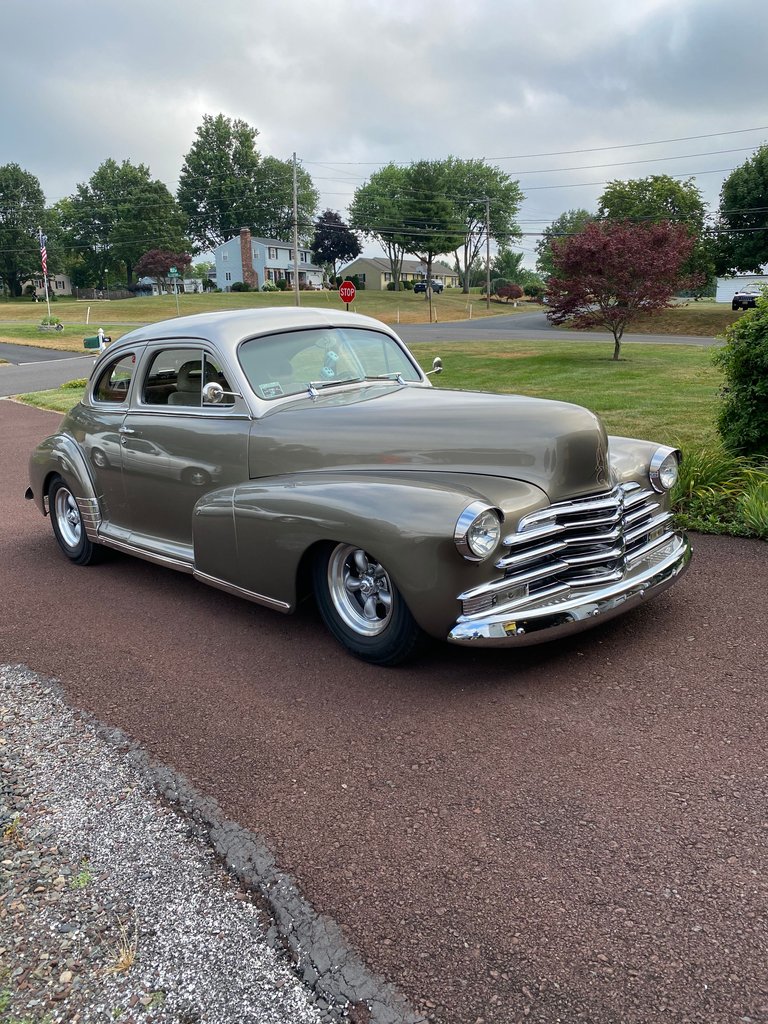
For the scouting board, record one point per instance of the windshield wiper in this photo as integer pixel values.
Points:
(314, 386)
(395, 375)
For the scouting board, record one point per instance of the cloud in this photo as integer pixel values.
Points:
(353, 86)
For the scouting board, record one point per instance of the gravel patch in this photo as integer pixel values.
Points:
(125, 897)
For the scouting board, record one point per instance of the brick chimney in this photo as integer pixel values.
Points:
(246, 258)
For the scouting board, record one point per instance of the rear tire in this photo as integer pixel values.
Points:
(67, 523)
(363, 608)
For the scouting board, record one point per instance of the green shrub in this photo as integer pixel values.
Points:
(282, 284)
(73, 385)
(241, 286)
(407, 285)
(743, 417)
(269, 286)
(720, 492)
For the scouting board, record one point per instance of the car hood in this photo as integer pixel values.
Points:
(559, 447)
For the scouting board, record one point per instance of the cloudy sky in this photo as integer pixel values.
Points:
(565, 95)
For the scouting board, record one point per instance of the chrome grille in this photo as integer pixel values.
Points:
(587, 542)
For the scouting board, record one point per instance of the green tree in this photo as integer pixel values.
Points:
(660, 198)
(275, 201)
(480, 192)
(22, 211)
(377, 211)
(743, 239)
(225, 184)
(219, 183)
(333, 241)
(568, 223)
(429, 226)
(506, 264)
(118, 215)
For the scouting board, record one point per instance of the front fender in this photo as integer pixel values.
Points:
(405, 522)
(60, 454)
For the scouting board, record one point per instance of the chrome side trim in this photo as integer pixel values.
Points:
(552, 619)
(90, 513)
(149, 556)
(249, 595)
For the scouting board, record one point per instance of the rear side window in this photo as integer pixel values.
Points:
(176, 376)
(115, 380)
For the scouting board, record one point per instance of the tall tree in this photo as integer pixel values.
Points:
(22, 211)
(219, 182)
(275, 205)
(568, 223)
(506, 264)
(333, 241)
(116, 216)
(377, 210)
(225, 184)
(429, 226)
(609, 272)
(743, 240)
(480, 191)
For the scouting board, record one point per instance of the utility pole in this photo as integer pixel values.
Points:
(488, 253)
(296, 293)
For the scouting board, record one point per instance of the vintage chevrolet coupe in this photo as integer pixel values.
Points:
(280, 452)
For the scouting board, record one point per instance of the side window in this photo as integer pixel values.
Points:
(115, 380)
(176, 375)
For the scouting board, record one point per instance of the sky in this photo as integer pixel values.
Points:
(564, 96)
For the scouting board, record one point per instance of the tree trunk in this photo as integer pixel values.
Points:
(616, 345)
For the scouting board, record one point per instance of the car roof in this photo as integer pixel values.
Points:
(227, 329)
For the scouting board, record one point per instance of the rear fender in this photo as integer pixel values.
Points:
(60, 455)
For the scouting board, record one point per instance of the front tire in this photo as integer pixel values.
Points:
(362, 607)
(67, 522)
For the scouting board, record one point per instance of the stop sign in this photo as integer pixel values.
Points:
(347, 292)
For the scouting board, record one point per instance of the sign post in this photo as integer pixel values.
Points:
(347, 292)
(173, 272)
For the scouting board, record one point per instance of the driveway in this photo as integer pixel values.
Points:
(569, 833)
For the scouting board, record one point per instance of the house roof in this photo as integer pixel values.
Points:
(409, 266)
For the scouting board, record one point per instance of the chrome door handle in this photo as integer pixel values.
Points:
(126, 430)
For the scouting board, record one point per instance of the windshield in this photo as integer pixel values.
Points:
(286, 364)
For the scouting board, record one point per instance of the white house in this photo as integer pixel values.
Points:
(728, 286)
(256, 260)
(187, 286)
(58, 284)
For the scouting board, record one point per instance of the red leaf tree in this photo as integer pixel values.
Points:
(157, 262)
(611, 271)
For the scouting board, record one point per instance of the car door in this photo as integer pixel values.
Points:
(176, 448)
(99, 421)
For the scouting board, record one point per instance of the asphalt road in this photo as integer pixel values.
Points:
(27, 368)
(575, 832)
(529, 327)
(37, 369)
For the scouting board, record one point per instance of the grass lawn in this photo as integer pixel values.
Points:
(702, 319)
(663, 393)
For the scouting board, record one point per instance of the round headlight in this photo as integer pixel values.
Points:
(478, 531)
(663, 470)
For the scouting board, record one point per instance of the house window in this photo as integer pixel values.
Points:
(228, 276)
(303, 257)
(224, 257)
(361, 278)
(272, 252)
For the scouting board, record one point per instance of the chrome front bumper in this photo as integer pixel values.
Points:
(532, 623)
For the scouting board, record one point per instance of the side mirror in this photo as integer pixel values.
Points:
(214, 394)
(437, 366)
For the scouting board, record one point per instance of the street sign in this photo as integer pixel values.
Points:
(173, 272)
(347, 292)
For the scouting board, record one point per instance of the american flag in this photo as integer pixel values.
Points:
(44, 253)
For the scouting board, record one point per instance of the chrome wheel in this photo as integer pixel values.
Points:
(360, 590)
(68, 517)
